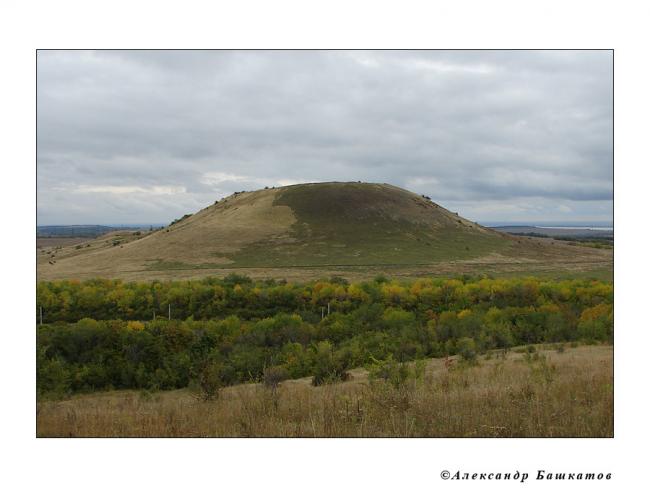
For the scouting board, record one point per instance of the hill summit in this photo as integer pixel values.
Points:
(315, 224)
(366, 224)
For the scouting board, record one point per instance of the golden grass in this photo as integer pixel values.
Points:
(567, 394)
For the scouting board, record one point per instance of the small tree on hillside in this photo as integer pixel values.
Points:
(274, 375)
(207, 381)
(328, 365)
(467, 349)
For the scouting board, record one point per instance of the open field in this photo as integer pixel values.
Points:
(556, 392)
(55, 242)
(601, 268)
(550, 263)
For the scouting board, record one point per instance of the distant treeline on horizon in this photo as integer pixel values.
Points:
(549, 223)
(85, 230)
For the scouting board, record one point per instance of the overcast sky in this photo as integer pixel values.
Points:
(145, 137)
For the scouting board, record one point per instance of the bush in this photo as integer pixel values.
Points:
(274, 375)
(389, 370)
(135, 325)
(328, 366)
(176, 221)
(395, 373)
(334, 375)
(339, 280)
(53, 378)
(467, 349)
(541, 370)
(207, 383)
(145, 396)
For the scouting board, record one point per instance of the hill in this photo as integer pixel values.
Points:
(320, 226)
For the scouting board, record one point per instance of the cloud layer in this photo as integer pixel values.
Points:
(147, 136)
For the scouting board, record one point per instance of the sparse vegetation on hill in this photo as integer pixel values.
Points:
(176, 221)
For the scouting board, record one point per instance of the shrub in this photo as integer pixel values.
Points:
(207, 382)
(135, 325)
(381, 279)
(328, 366)
(541, 370)
(339, 280)
(274, 375)
(395, 373)
(87, 324)
(176, 221)
(145, 396)
(389, 370)
(53, 377)
(237, 279)
(467, 349)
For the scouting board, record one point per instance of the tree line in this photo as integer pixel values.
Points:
(100, 299)
(100, 334)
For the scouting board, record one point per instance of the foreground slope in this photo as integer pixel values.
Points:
(355, 226)
(565, 394)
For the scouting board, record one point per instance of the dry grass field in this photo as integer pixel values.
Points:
(52, 243)
(555, 392)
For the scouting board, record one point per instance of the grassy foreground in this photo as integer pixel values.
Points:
(554, 392)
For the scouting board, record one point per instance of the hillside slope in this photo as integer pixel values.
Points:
(309, 225)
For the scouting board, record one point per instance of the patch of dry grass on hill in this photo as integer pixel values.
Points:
(203, 238)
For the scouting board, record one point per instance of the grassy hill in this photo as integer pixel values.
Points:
(366, 224)
(320, 225)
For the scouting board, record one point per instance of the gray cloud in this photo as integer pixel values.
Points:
(137, 136)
